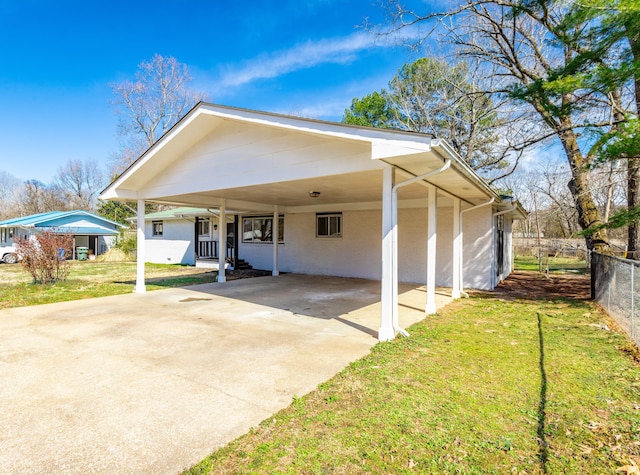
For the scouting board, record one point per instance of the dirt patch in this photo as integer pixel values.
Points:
(532, 285)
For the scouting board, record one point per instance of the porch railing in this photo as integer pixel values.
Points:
(209, 250)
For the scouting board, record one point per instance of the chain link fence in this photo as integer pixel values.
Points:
(616, 287)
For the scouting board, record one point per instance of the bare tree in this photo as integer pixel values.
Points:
(35, 197)
(151, 104)
(9, 191)
(81, 182)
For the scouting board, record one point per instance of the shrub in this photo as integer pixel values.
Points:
(45, 256)
(127, 243)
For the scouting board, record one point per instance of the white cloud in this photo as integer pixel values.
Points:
(306, 55)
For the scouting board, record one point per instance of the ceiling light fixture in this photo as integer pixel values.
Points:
(314, 194)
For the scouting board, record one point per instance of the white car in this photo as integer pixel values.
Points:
(8, 254)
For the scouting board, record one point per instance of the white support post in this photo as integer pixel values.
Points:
(222, 258)
(275, 232)
(394, 258)
(432, 221)
(386, 331)
(140, 245)
(457, 249)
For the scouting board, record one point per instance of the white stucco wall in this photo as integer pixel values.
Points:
(175, 246)
(357, 253)
(477, 248)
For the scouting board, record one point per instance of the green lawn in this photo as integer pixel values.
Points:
(556, 264)
(486, 386)
(92, 279)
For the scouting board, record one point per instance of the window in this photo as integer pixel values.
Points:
(156, 227)
(203, 227)
(329, 225)
(259, 229)
(6, 234)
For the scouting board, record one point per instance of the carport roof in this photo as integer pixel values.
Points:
(283, 159)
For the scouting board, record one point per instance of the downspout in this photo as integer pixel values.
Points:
(394, 239)
(462, 292)
(493, 241)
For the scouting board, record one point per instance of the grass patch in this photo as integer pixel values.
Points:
(90, 279)
(556, 264)
(486, 386)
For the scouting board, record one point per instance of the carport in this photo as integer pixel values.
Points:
(224, 158)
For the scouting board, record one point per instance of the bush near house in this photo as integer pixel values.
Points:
(45, 255)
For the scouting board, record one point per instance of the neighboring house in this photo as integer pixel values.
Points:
(88, 229)
(185, 235)
(343, 200)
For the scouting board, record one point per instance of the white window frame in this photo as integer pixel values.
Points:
(201, 223)
(337, 217)
(154, 228)
(255, 225)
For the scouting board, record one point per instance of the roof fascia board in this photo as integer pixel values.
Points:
(346, 131)
(396, 148)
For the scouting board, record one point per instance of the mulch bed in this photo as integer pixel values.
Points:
(246, 274)
(532, 285)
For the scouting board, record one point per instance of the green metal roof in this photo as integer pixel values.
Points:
(175, 213)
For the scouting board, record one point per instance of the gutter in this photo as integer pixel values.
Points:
(394, 239)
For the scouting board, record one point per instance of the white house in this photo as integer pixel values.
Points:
(344, 201)
(185, 235)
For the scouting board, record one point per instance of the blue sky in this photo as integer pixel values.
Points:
(306, 58)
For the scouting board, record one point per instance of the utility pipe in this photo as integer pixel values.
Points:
(394, 240)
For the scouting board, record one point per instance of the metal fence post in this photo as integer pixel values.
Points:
(633, 326)
(609, 296)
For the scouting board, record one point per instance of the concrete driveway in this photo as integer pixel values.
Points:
(152, 383)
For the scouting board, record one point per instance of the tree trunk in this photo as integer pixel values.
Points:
(580, 187)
